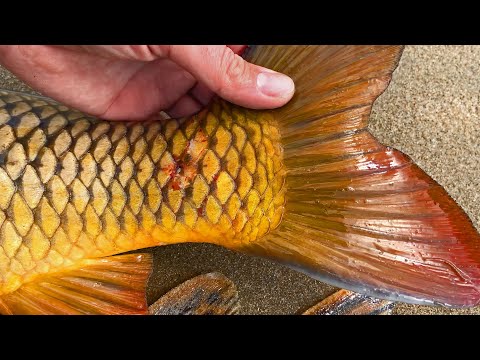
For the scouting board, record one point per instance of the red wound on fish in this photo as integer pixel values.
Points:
(361, 215)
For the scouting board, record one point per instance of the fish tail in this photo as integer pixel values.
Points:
(358, 214)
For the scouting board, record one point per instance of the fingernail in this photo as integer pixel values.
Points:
(275, 84)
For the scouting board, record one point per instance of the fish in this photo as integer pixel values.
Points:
(207, 294)
(215, 294)
(305, 185)
(344, 302)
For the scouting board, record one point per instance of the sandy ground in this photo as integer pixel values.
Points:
(430, 111)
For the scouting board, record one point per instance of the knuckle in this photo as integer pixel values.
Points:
(233, 73)
(148, 52)
(141, 52)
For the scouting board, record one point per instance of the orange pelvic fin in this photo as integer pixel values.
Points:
(112, 285)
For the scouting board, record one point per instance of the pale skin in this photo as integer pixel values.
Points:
(133, 82)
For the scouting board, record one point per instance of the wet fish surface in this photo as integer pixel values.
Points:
(306, 185)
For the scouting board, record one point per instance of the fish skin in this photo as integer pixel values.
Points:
(74, 187)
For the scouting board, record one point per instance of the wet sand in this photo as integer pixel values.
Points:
(430, 111)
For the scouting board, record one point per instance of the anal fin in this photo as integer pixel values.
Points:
(104, 286)
(344, 302)
(208, 294)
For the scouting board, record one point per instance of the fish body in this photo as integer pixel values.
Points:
(306, 185)
(75, 187)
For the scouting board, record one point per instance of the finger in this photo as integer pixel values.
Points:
(124, 52)
(185, 106)
(232, 78)
(156, 86)
(238, 49)
(201, 93)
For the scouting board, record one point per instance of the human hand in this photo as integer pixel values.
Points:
(123, 82)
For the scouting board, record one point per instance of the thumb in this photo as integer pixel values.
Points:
(233, 78)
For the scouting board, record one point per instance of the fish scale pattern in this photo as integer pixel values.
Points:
(72, 186)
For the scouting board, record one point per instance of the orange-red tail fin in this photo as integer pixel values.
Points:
(361, 215)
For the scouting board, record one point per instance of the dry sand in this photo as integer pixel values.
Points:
(430, 111)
